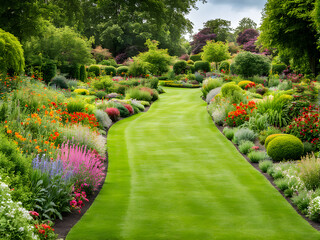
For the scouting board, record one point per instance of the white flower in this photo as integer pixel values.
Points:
(21, 229)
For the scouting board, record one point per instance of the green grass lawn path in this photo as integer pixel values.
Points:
(174, 176)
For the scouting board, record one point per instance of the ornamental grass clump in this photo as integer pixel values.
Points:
(244, 134)
(309, 167)
(257, 156)
(264, 165)
(245, 146)
(86, 165)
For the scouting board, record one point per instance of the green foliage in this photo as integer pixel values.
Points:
(271, 137)
(122, 70)
(103, 83)
(75, 106)
(245, 146)
(180, 67)
(110, 70)
(109, 62)
(158, 59)
(11, 53)
(230, 89)
(310, 172)
(300, 41)
(225, 66)
(136, 93)
(257, 156)
(49, 70)
(94, 69)
(228, 132)
(248, 64)
(83, 73)
(202, 66)
(138, 68)
(245, 23)
(215, 52)
(264, 165)
(124, 112)
(278, 68)
(286, 147)
(302, 201)
(222, 28)
(74, 71)
(210, 84)
(282, 183)
(244, 134)
(58, 45)
(195, 58)
(59, 82)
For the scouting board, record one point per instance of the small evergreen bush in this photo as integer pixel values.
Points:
(121, 71)
(49, 71)
(180, 67)
(228, 132)
(110, 70)
(245, 146)
(59, 82)
(95, 70)
(202, 66)
(196, 57)
(83, 73)
(230, 89)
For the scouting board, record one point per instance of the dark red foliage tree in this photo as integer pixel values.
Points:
(247, 35)
(200, 39)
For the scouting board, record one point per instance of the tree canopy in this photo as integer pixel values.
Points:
(215, 52)
(220, 27)
(245, 23)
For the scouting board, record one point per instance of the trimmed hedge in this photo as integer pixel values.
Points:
(286, 147)
(271, 137)
(202, 65)
(228, 89)
(49, 71)
(110, 70)
(180, 67)
(196, 57)
(122, 70)
(278, 68)
(94, 69)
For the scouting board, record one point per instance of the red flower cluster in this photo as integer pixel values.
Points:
(44, 231)
(241, 114)
(306, 126)
(249, 85)
(80, 117)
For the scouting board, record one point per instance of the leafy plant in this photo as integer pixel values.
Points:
(264, 165)
(244, 134)
(257, 156)
(245, 146)
(310, 172)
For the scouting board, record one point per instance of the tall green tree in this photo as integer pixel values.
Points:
(220, 27)
(245, 23)
(288, 25)
(215, 52)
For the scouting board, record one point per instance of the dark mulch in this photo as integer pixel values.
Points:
(270, 179)
(62, 227)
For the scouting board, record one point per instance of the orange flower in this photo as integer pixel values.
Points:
(9, 131)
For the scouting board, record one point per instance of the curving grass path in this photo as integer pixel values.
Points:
(173, 176)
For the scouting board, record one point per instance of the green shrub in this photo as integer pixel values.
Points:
(264, 165)
(286, 147)
(152, 83)
(257, 156)
(210, 84)
(199, 77)
(101, 94)
(103, 83)
(49, 70)
(230, 89)
(308, 148)
(109, 62)
(271, 137)
(302, 201)
(83, 73)
(225, 66)
(136, 93)
(11, 53)
(122, 70)
(110, 70)
(180, 67)
(282, 183)
(264, 134)
(196, 57)
(138, 68)
(95, 70)
(245, 146)
(124, 112)
(75, 106)
(278, 68)
(248, 64)
(228, 132)
(244, 134)
(202, 66)
(59, 82)
(310, 172)
(3, 111)
(74, 71)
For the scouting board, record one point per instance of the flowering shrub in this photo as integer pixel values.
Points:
(113, 113)
(45, 231)
(250, 85)
(86, 165)
(130, 109)
(79, 196)
(314, 209)
(15, 221)
(241, 114)
(306, 126)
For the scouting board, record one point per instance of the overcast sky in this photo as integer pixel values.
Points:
(232, 10)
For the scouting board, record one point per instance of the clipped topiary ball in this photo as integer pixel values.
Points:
(228, 89)
(271, 137)
(287, 147)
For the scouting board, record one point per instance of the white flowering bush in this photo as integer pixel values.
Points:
(15, 221)
(314, 209)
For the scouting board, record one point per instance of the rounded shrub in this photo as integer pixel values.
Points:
(278, 68)
(229, 89)
(74, 71)
(287, 147)
(228, 132)
(49, 71)
(94, 69)
(101, 94)
(202, 66)
(196, 57)
(124, 112)
(244, 83)
(271, 137)
(110, 70)
(59, 82)
(248, 64)
(113, 113)
(224, 66)
(122, 70)
(190, 62)
(180, 67)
